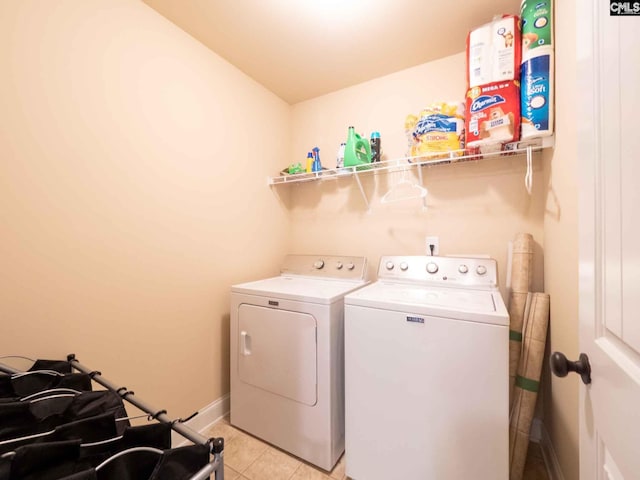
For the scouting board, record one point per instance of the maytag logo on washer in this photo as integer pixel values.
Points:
(623, 8)
(415, 319)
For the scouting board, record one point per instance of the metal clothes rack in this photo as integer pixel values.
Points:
(216, 445)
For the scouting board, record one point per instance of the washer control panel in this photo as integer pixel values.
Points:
(326, 266)
(454, 271)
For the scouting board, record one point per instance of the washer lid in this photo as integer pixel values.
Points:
(303, 289)
(458, 303)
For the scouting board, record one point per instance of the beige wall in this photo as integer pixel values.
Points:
(561, 247)
(132, 195)
(474, 207)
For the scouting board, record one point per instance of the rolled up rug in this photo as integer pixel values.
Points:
(519, 304)
(527, 382)
(521, 281)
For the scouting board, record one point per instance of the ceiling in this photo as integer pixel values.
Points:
(301, 49)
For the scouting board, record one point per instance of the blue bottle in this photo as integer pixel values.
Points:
(316, 166)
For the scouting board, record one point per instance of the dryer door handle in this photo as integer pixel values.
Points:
(245, 343)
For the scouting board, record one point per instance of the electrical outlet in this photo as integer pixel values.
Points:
(435, 241)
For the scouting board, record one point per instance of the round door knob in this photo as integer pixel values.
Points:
(404, 266)
(389, 265)
(319, 264)
(560, 366)
(432, 267)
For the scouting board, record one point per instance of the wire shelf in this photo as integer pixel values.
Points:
(403, 163)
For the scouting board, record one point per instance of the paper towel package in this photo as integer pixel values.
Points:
(494, 51)
(537, 24)
(537, 69)
(537, 100)
(492, 114)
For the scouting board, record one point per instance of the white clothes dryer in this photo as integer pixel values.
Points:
(287, 355)
(427, 372)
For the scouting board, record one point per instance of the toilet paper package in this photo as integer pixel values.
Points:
(494, 51)
(537, 98)
(537, 24)
(492, 114)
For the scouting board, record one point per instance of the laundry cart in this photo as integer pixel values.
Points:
(55, 426)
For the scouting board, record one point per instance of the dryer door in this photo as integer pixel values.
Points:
(277, 352)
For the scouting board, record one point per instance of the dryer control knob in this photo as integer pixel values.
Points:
(463, 269)
(339, 265)
(350, 266)
(481, 269)
(389, 265)
(318, 264)
(432, 267)
(404, 266)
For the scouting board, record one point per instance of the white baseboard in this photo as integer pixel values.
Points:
(206, 417)
(540, 435)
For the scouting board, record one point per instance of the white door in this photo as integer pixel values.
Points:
(608, 53)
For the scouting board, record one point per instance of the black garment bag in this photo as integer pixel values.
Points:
(92, 429)
(60, 366)
(155, 435)
(18, 419)
(23, 385)
(175, 464)
(43, 461)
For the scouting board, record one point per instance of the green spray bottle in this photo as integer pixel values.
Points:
(357, 150)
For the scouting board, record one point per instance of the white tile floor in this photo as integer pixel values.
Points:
(248, 458)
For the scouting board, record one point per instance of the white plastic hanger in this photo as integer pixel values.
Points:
(404, 190)
(61, 395)
(17, 356)
(51, 393)
(122, 419)
(128, 451)
(102, 442)
(11, 370)
(26, 437)
(53, 373)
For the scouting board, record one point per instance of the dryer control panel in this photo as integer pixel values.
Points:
(325, 266)
(444, 271)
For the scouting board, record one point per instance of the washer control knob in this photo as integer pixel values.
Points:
(404, 266)
(432, 267)
(481, 269)
(350, 266)
(339, 265)
(463, 269)
(389, 265)
(318, 264)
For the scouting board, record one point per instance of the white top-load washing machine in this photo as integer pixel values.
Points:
(426, 372)
(287, 355)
